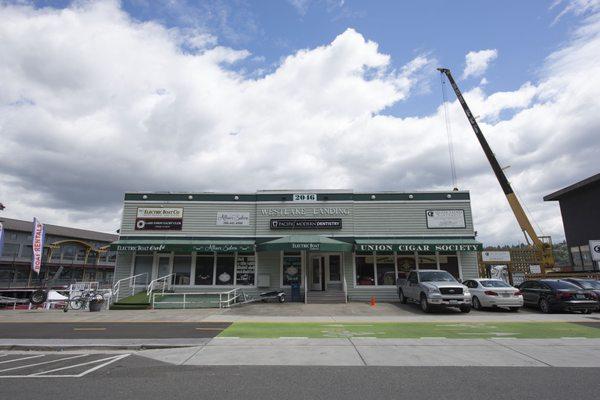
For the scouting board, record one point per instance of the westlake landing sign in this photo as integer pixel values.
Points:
(425, 247)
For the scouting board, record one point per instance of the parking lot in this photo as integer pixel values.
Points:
(54, 365)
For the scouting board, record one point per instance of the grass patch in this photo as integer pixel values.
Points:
(138, 298)
(523, 330)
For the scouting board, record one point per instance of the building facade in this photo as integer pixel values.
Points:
(579, 206)
(83, 254)
(324, 241)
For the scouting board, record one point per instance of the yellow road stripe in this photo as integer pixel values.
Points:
(209, 329)
(89, 329)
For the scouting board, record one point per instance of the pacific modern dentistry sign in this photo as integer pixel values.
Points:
(311, 223)
(426, 247)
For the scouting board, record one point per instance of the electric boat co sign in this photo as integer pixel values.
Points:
(331, 223)
(159, 219)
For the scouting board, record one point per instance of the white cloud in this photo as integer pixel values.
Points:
(477, 62)
(93, 103)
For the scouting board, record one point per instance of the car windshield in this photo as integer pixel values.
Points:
(494, 284)
(561, 285)
(436, 276)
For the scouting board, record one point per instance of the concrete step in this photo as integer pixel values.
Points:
(320, 297)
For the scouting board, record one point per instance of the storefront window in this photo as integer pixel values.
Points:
(204, 270)
(142, 265)
(225, 270)
(427, 261)
(292, 268)
(335, 268)
(26, 251)
(182, 267)
(406, 263)
(245, 270)
(449, 262)
(586, 257)
(68, 253)
(386, 271)
(56, 254)
(365, 270)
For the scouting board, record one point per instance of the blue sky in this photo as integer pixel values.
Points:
(293, 94)
(523, 32)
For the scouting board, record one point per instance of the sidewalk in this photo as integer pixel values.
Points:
(293, 312)
(387, 352)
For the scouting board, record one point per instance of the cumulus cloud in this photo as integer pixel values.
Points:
(93, 103)
(477, 62)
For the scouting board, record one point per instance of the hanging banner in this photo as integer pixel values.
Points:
(1, 238)
(38, 236)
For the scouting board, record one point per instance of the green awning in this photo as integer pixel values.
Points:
(304, 242)
(423, 245)
(184, 246)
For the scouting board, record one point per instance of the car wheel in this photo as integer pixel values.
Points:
(425, 304)
(514, 309)
(465, 309)
(476, 303)
(282, 298)
(401, 296)
(587, 311)
(544, 306)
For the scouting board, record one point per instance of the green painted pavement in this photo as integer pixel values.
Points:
(522, 330)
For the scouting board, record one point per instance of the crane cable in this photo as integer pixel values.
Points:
(448, 132)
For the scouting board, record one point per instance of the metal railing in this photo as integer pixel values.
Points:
(306, 289)
(160, 284)
(226, 299)
(127, 286)
(345, 287)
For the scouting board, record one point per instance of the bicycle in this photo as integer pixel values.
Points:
(82, 301)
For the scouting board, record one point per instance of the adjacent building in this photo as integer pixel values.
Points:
(580, 209)
(83, 254)
(326, 242)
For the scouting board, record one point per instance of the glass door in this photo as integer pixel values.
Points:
(316, 267)
(164, 265)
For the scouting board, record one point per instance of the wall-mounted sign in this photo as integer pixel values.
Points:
(445, 219)
(426, 247)
(139, 247)
(223, 248)
(535, 269)
(331, 223)
(233, 218)
(304, 212)
(595, 249)
(304, 197)
(495, 256)
(245, 270)
(159, 219)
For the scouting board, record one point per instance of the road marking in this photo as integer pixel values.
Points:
(117, 358)
(209, 329)
(81, 365)
(293, 337)
(19, 359)
(42, 363)
(89, 329)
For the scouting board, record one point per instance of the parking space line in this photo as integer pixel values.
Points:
(113, 358)
(23, 358)
(209, 329)
(117, 358)
(42, 363)
(89, 329)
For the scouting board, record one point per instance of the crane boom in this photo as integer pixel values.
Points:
(547, 258)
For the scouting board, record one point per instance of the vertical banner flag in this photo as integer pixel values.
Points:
(1, 238)
(38, 236)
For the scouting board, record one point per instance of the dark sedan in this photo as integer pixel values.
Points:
(557, 295)
(587, 284)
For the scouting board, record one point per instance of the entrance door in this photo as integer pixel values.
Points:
(164, 266)
(316, 271)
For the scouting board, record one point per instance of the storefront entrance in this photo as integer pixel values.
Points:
(325, 271)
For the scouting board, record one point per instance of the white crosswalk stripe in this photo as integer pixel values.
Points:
(52, 365)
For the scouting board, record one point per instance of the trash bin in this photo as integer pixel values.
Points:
(96, 305)
(295, 291)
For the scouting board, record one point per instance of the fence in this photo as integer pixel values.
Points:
(196, 299)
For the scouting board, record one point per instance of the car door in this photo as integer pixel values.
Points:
(528, 292)
(412, 284)
(475, 288)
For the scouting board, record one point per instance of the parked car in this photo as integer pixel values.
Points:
(494, 293)
(431, 288)
(587, 284)
(557, 295)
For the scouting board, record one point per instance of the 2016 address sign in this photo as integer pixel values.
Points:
(305, 197)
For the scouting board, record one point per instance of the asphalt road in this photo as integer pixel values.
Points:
(111, 330)
(139, 378)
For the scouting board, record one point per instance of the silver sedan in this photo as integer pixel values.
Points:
(494, 293)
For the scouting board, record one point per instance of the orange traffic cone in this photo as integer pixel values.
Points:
(373, 301)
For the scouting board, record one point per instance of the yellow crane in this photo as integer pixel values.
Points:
(542, 244)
